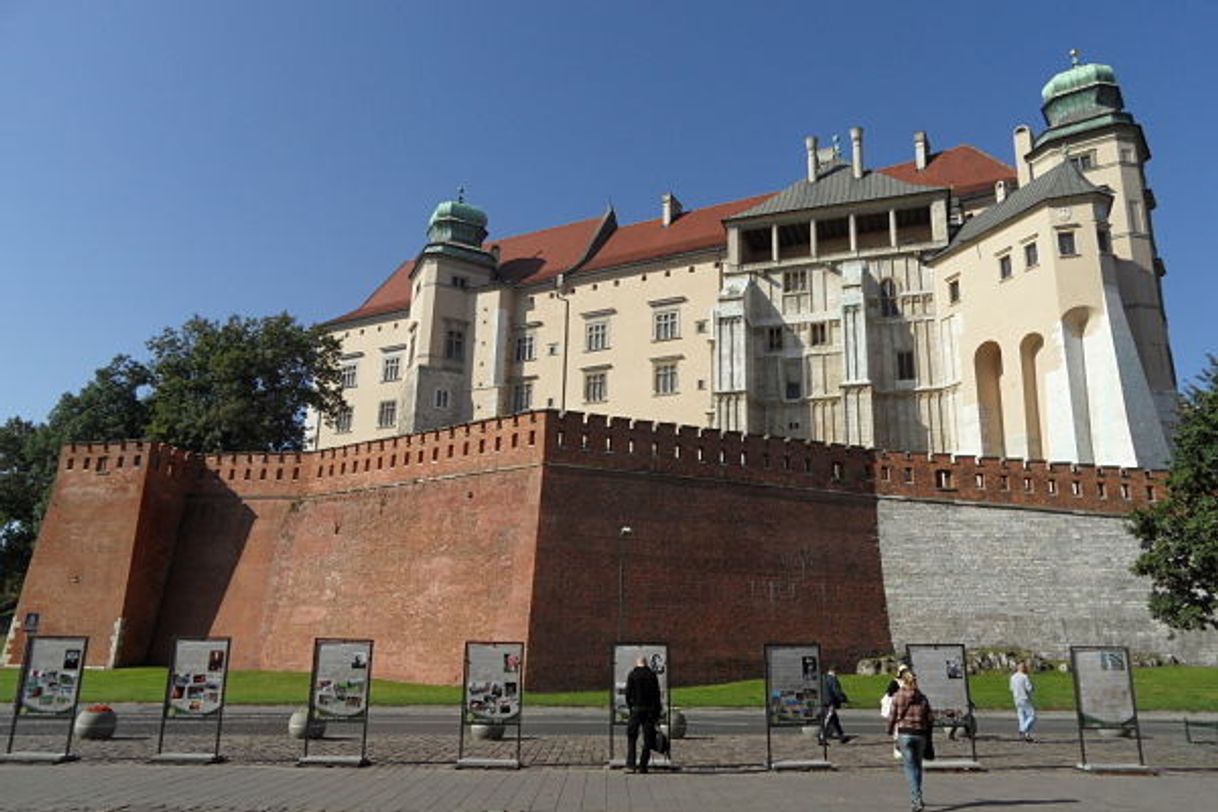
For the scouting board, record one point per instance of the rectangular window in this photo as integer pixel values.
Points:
(522, 397)
(1031, 255)
(953, 291)
(1084, 161)
(597, 333)
(596, 387)
(460, 282)
(819, 334)
(391, 368)
(441, 400)
(454, 344)
(905, 365)
(667, 325)
(387, 414)
(1104, 240)
(794, 281)
(1004, 266)
(343, 420)
(700, 325)
(666, 379)
(349, 380)
(1065, 244)
(794, 378)
(1136, 223)
(524, 347)
(774, 339)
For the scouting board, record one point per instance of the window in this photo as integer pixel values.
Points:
(666, 378)
(774, 339)
(553, 348)
(953, 291)
(342, 422)
(524, 347)
(1004, 266)
(349, 379)
(596, 387)
(700, 325)
(1065, 244)
(1031, 255)
(794, 281)
(666, 325)
(460, 282)
(819, 333)
(1136, 223)
(391, 368)
(387, 414)
(793, 375)
(1084, 161)
(441, 400)
(1126, 155)
(905, 365)
(598, 335)
(522, 397)
(454, 344)
(888, 299)
(1104, 240)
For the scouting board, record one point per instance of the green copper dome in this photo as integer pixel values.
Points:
(1078, 76)
(1081, 93)
(457, 221)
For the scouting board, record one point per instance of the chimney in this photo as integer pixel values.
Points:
(813, 158)
(1023, 145)
(670, 208)
(856, 142)
(921, 149)
(1000, 191)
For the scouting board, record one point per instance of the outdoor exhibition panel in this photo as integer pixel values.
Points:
(492, 697)
(625, 655)
(794, 686)
(48, 689)
(194, 693)
(338, 693)
(942, 672)
(1103, 696)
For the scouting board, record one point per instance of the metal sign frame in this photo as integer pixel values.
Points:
(970, 719)
(68, 715)
(666, 715)
(218, 716)
(817, 722)
(1084, 726)
(362, 717)
(467, 717)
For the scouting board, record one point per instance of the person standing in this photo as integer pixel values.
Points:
(911, 720)
(643, 700)
(1021, 692)
(834, 698)
(894, 685)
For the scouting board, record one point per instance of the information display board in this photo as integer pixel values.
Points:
(942, 672)
(1103, 692)
(794, 685)
(625, 657)
(339, 690)
(493, 695)
(48, 686)
(195, 689)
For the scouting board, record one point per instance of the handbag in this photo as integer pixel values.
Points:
(886, 705)
(929, 753)
(663, 745)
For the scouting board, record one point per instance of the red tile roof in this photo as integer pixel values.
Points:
(540, 255)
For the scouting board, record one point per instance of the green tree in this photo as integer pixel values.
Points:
(1179, 534)
(19, 497)
(241, 384)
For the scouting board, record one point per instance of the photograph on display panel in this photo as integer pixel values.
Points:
(794, 683)
(52, 678)
(942, 676)
(624, 658)
(1105, 687)
(344, 673)
(493, 685)
(200, 668)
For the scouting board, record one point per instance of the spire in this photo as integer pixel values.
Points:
(1074, 56)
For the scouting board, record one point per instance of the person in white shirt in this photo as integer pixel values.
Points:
(1021, 690)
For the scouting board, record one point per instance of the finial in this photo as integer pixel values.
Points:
(1074, 57)
(460, 194)
(837, 146)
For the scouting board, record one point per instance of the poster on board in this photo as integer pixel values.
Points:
(625, 655)
(52, 677)
(1104, 687)
(794, 682)
(494, 685)
(341, 679)
(200, 668)
(942, 675)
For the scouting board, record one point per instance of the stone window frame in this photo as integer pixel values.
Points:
(387, 414)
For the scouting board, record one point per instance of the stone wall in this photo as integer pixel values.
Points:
(1031, 579)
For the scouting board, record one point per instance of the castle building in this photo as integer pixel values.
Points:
(951, 303)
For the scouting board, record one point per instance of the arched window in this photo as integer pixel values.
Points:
(888, 298)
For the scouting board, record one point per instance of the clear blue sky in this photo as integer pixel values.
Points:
(161, 159)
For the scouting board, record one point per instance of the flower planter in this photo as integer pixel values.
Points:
(486, 732)
(95, 724)
(299, 726)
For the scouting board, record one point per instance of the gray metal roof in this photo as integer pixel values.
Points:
(1061, 181)
(835, 186)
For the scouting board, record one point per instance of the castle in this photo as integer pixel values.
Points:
(947, 304)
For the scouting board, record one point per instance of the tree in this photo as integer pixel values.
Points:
(19, 498)
(1179, 534)
(241, 385)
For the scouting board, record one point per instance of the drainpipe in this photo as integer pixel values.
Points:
(566, 337)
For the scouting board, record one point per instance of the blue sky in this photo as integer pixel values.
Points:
(161, 159)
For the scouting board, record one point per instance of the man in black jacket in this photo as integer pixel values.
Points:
(833, 699)
(643, 699)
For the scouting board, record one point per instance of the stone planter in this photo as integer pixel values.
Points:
(679, 726)
(298, 723)
(95, 724)
(486, 732)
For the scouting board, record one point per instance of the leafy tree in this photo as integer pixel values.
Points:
(1179, 534)
(19, 498)
(241, 384)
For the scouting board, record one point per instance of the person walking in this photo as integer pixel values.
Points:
(911, 720)
(643, 700)
(833, 699)
(894, 685)
(1021, 692)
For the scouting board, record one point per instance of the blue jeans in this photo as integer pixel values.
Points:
(1027, 716)
(912, 748)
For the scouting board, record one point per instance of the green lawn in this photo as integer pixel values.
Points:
(1176, 688)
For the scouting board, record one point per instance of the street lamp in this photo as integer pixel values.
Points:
(623, 535)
